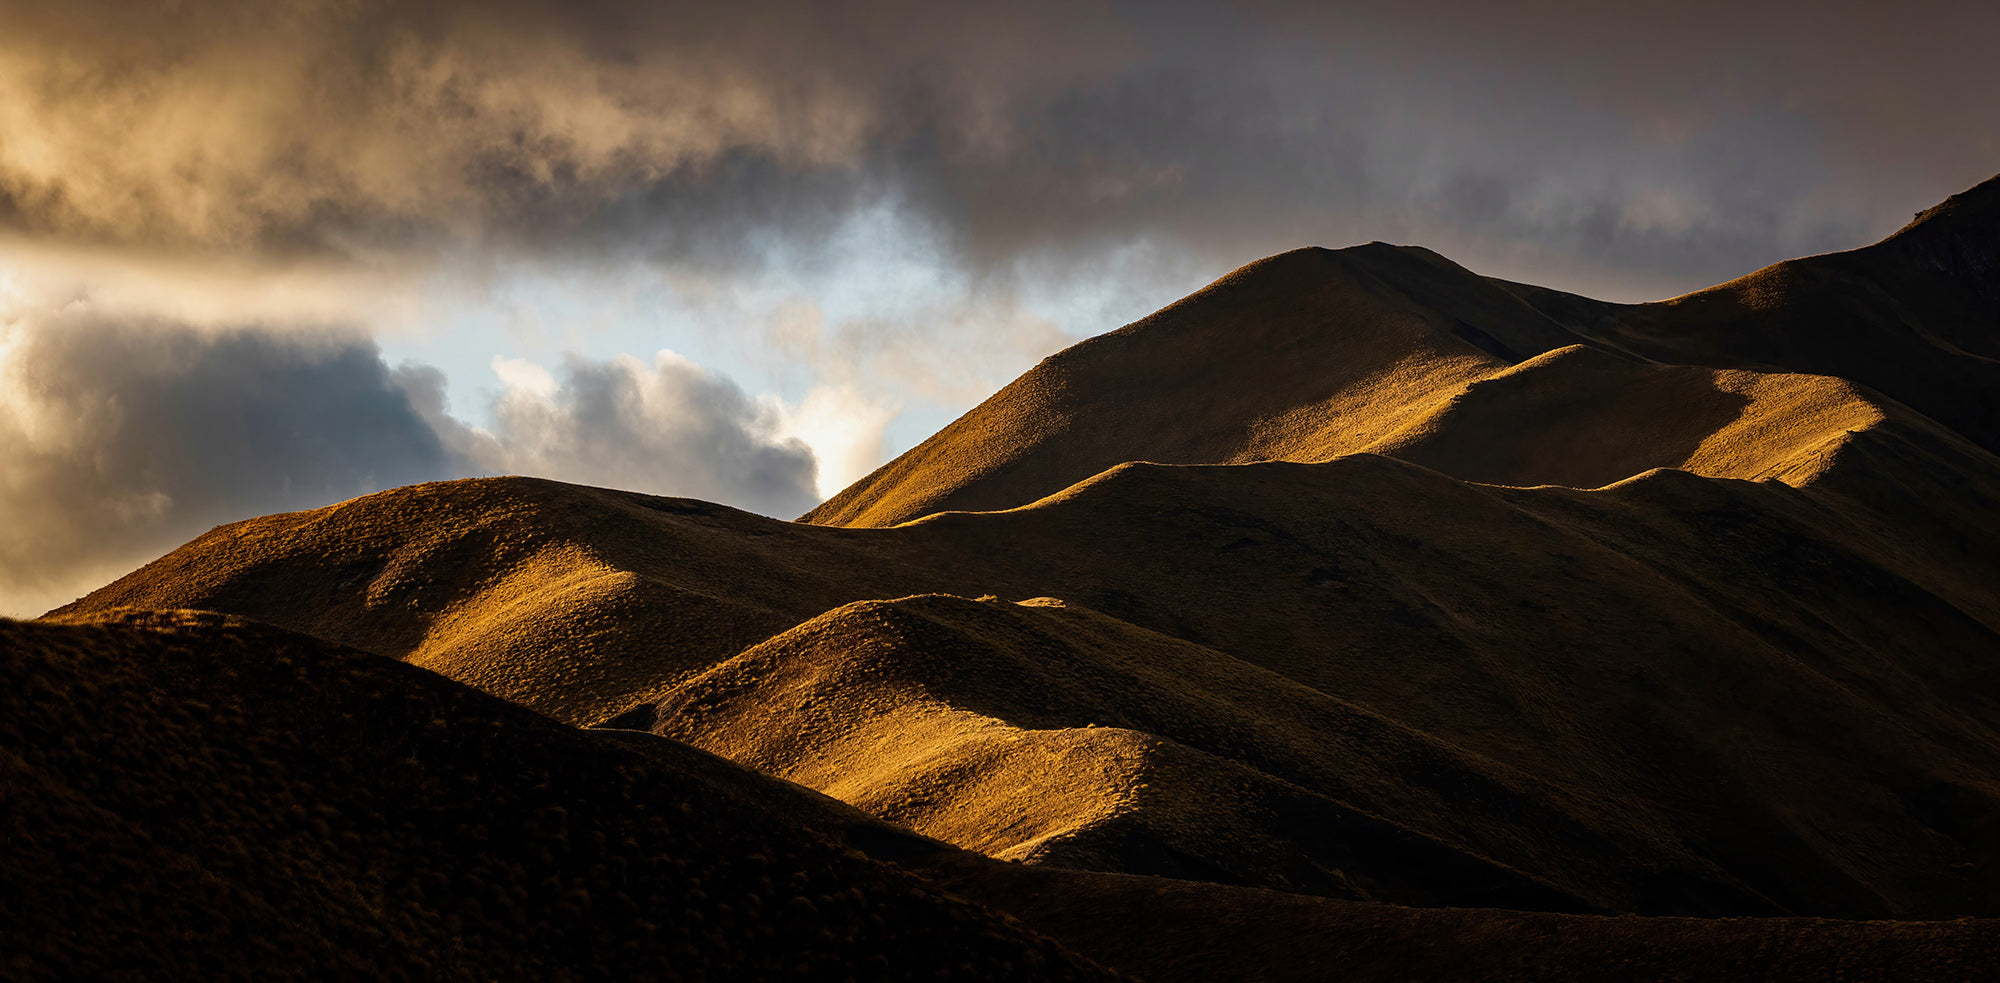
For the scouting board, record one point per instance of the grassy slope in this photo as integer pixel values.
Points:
(1634, 666)
(192, 796)
(195, 798)
(1761, 683)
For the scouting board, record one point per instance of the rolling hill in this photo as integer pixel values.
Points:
(1354, 576)
(190, 795)
(1316, 353)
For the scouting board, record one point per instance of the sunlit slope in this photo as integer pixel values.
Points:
(1736, 696)
(1915, 317)
(560, 597)
(1394, 350)
(1302, 356)
(1053, 734)
(1584, 418)
(1683, 661)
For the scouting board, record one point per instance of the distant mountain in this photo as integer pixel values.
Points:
(1354, 575)
(1395, 350)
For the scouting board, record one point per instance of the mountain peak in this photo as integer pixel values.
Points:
(1313, 353)
(1959, 238)
(1977, 205)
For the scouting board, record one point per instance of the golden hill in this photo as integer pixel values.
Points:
(1395, 350)
(1626, 671)
(1051, 734)
(1437, 590)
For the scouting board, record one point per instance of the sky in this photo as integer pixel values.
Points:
(268, 255)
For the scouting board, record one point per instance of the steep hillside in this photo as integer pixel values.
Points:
(1394, 350)
(1302, 356)
(1915, 316)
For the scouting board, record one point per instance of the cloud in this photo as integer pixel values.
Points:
(371, 132)
(352, 127)
(121, 439)
(670, 427)
(845, 429)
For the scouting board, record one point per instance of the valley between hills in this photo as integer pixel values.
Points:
(1355, 617)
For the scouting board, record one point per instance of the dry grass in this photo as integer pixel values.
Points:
(1674, 694)
(1439, 590)
(191, 796)
(194, 798)
(1317, 353)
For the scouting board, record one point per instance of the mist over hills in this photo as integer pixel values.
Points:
(1354, 576)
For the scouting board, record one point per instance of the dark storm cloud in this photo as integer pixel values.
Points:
(1696, 139)
(1703, 136)
(120, 440)
(346, 126)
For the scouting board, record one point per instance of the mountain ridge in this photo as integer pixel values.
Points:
(1354, 574)
(1350, 348)
(1422, 610)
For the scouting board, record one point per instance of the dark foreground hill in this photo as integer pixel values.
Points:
(195, 798)
(191, 796)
